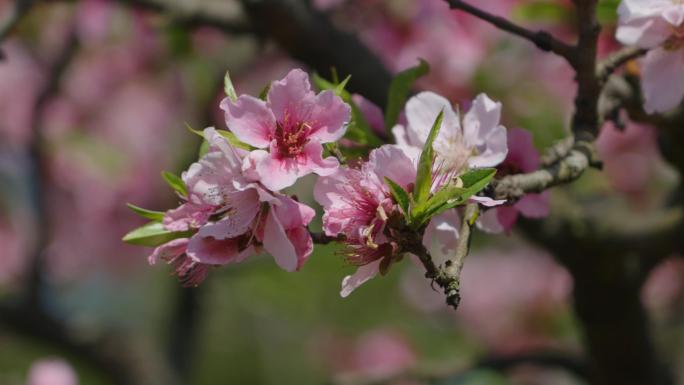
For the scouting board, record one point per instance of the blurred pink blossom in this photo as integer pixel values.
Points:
(629, 156)
(522, 158)
(51, 371)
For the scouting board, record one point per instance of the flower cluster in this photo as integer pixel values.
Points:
(381, 207)
(657, 25)
(231, 205)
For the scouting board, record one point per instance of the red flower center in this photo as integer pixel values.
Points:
(291, 138)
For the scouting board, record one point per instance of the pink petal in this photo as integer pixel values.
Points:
(210, 251)
(643, 32)
(313, 161)
(483, 131)
(250, 120)
(187, 216)
(291, 97)
(662, 79)
(486, 201)
(329, 117)
(292, 214)
(361, 276)
(238, 220)
(421, 112)
(390, 161)
(302, 242)
(274, 174)
(277, 243)
(674, 15)
(169, 250)
(534, 205)
(441, 235)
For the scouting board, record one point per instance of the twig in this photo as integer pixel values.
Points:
(542, 39)
(448, 276)
(616, 59)
(557, 151)
(323, 239)
(567, 169)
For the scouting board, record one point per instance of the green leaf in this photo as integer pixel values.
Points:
(228, 87)
(339, 89)
(606, 11)
(153, 234)
(145, 213)
(233, 140)
(175, 182)
(196, 132)
(453, 195)
(399, 91)
(421, 190)
(264, 92)
(400, 196)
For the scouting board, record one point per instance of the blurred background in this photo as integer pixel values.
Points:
(94, 98)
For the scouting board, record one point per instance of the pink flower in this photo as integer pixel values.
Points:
(522, 157)
(657, 25)
(51, 372)
(290, 127)
(358, 205)
(233, 218)
(473, 141)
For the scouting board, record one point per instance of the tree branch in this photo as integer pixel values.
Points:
(565, 170)
(542, 39)
(617, 59)
(448, 276)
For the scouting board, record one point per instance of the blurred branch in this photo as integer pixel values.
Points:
(448, 276)
(196, 13)
(103, 354)
(38, 174)
(617, 59)
(309, 36)
(557, 151)
(17, 12)
(542, 39)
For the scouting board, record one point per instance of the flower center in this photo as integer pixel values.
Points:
(676, 40)
(291, 138)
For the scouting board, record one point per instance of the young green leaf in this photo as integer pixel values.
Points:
(153, 234)
(175, 182)
(451, 196)
(233, 140)
(399, 91)
(400, 196)
(421, 190)
(339, 89)
(196, 132)
(264, 92)
(228, 87)
(145, 213)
